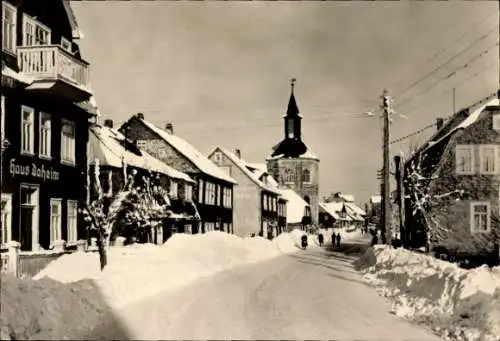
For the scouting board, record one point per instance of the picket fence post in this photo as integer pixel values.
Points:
(13, 261)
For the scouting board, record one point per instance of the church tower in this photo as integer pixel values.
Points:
(292, 163)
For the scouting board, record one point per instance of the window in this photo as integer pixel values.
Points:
(142, 143)
(66, 44)
(45, 135)
(200, 191)
(188, 192)
(290, 128)
(174, 189)
(9, 20)
(34, 32)
(488, 159)
(210, 193)
(55, 220)
(226, 197)
(306, 176)
(496, 122)
(226, 169)
(6, 209)
(464, 158)
(480, 217)
(68, 142)
(28, 130)
(288, 176)
(264, 199)
(72, 221)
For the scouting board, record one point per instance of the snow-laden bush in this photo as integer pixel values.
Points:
(458, 304)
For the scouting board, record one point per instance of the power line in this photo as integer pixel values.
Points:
(466, 65)
(448, 61)
(455, 86)
(460, 38)
(421, 130)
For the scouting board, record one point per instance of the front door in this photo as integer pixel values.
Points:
(28, 217)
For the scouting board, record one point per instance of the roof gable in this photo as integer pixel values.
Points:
(243, 166)
(201, 162)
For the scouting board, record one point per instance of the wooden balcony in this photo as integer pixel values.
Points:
(56, 71)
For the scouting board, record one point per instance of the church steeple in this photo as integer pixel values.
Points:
(292, 118)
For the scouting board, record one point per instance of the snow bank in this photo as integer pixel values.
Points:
(49, 310)
(457, 304)
(142, 270)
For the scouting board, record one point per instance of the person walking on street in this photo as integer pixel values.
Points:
(338, 240)
(333, 239)
(320, 239)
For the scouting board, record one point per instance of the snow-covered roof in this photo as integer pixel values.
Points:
(198, 159)
(242, 165)
(75, 30)
(309, 154)
(334, 209)
(471, 119)
(107, 145)
(376, 199)
(295, 206)
(347, 197)
(260, 166)
(355, 208)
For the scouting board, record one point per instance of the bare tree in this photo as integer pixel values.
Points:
(132, 210)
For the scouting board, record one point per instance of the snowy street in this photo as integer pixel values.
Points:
(309, 295)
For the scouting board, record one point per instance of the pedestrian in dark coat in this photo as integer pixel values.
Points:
(338, 240)
(320, 239)
(333, 239)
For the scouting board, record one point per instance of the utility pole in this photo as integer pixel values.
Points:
(398, 160)
(386, 208)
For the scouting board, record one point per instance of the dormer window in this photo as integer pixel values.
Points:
(34, 32)
(66, 44)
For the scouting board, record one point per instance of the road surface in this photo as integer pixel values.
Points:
(311, 295)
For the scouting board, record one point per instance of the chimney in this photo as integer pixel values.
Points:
(439, 123)
(108, 123)
(140, 115)
(169, 128)
(238, 153)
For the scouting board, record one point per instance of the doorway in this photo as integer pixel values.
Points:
(28, 220)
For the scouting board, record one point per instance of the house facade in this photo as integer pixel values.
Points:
(45, 114)
(462, 161)
(114, 157)
(257, 206)
(292, 163)
(213, 190)
(340, 210)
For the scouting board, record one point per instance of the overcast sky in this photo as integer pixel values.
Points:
(219, 71)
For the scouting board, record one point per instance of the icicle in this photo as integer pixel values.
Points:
(124, 169)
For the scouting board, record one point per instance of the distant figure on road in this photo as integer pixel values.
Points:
(320, 239)
(374, 237)
(338, 240)
(333, 239)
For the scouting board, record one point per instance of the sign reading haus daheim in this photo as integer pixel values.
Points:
(33, 170)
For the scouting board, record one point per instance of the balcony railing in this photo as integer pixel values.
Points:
(52, 62)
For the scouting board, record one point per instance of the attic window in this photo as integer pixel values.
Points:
(66, 44)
